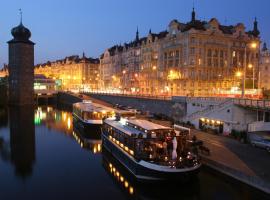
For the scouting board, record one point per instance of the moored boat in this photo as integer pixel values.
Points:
(89, 116)
(151, 152)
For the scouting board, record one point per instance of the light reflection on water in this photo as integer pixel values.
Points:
(43, 155)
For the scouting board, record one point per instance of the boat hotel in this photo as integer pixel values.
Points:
(151, 152)
(88, 116)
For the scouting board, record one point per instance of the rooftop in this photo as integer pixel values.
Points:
(93, 107)
(136, 126)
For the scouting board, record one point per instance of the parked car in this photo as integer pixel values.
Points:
(262, 143)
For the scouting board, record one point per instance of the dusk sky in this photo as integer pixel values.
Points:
(68, 27)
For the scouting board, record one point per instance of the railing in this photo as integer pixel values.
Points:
(264, 104)
(209, 110)
(259, 126)
(145, 96)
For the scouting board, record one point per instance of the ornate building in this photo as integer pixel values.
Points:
(265, 68)
(197, 58)
(74, 72)
(4, 71)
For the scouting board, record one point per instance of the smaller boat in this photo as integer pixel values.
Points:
(89, 116)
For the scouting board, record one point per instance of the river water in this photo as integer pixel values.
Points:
(43, 157)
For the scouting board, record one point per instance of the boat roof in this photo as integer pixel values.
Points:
(92, 107)
(147, 125)
(124, 126)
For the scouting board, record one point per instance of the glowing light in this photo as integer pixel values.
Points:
(99, 147)
(250, 66)
(123, 121)
(126, 184)
(122, 179)
(126, 148)
(253, 45)
(131, 190)
(238, 74)
(69, 123)
(154, 67)
(64, 116)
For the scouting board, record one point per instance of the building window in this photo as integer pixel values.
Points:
(165, 56)
(192, 50)
(177, 54)
(193, 40)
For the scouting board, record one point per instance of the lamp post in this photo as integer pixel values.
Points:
(250, 66)
(253, 45)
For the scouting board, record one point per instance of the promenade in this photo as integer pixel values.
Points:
(242, 161)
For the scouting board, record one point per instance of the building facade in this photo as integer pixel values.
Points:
(197, 58)
(75, 73)
(265, 68)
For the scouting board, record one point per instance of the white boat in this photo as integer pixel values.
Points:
(89, 116)
(149, 151)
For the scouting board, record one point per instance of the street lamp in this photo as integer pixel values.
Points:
(250, 66)
(252, 45)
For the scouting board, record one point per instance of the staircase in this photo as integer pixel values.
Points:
(209, 110)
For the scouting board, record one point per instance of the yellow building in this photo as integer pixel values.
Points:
(74, 72)
(197, 58)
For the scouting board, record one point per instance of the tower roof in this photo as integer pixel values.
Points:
(21, 34)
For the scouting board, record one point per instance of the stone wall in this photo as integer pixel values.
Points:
(21, 73)
(67, 99)
(175, 109)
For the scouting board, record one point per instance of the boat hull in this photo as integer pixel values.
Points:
(88, 130)
(141, 171)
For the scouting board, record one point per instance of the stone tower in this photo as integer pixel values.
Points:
(21, 67)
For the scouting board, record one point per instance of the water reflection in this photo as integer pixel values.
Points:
(92, 142)
(54, 119)
(22, 139)
(139, 190)
(3, 117)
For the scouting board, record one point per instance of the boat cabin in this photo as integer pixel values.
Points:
(92, 111)
(145, 140)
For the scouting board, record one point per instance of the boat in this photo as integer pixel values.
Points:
(151, 152)
(89, 116)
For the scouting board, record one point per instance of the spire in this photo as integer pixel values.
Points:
(21, 15)
(264, 47)
(137, 34)
(256, 31)
(83, 55)
(193, 16)
(150, 31)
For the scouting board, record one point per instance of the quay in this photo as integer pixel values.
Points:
(246, 164)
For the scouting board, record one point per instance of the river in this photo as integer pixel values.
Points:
(43, 157)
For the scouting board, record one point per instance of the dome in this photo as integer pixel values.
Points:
(21, 33)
